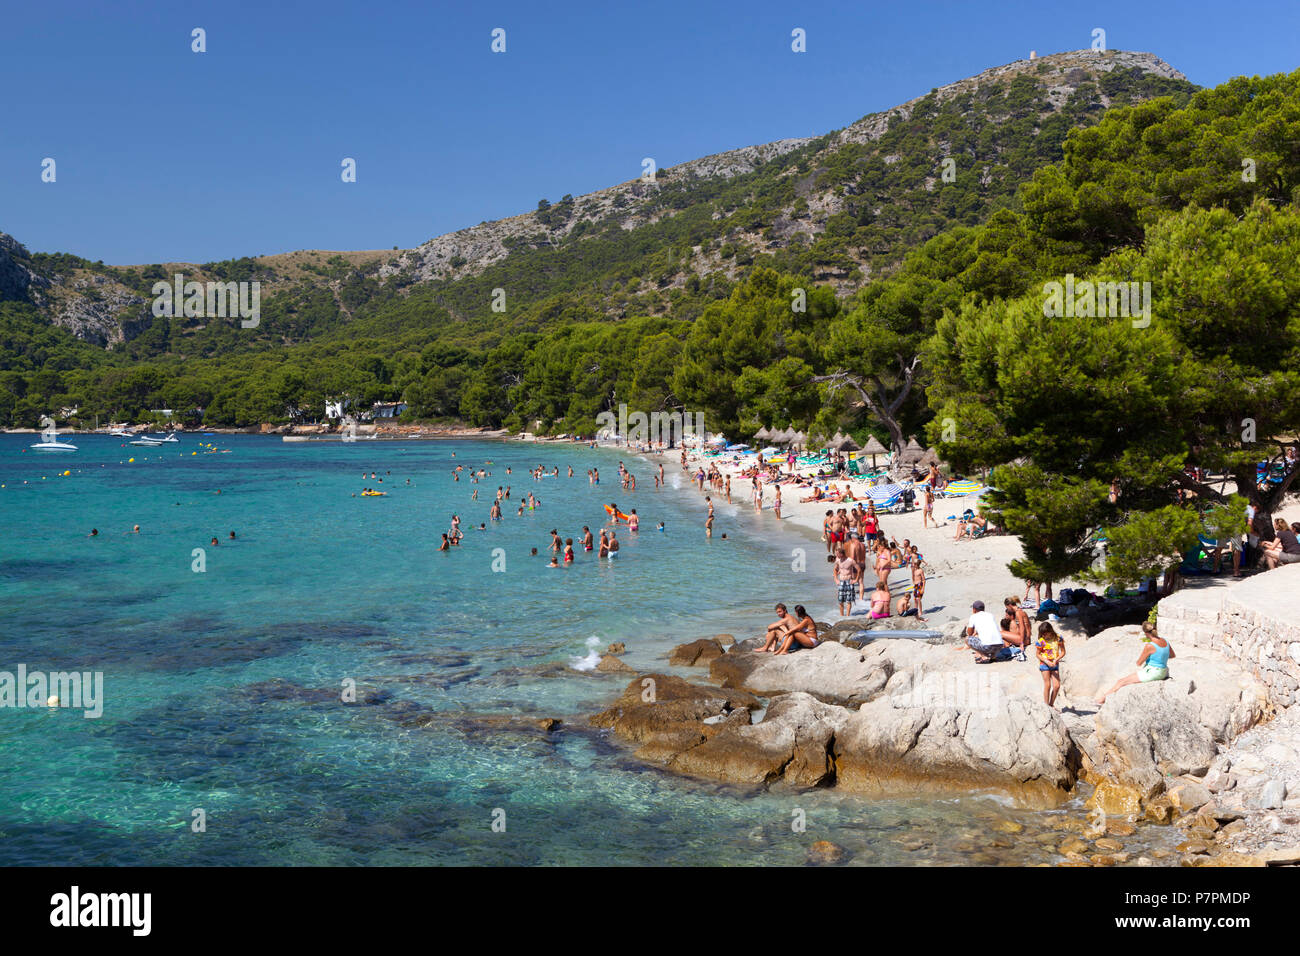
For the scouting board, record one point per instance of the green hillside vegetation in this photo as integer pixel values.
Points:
(628, 297)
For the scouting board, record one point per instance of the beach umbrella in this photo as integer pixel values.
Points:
(848, 444)
(885, 492)
(763, 433)
(885, 495)
(963, 487)
(718, 440)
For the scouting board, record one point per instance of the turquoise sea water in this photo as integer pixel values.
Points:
(223, 687)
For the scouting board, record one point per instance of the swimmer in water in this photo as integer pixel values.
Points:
(446, 545)
(554, 563)
(568, 550)
(661, 527)
(135, 529)
(93, 533)
(232, 536)
(215, 542)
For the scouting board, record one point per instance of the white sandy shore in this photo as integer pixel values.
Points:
(965, 571)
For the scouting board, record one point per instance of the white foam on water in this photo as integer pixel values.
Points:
(589, 662)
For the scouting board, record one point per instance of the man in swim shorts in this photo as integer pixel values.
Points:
(845, 575)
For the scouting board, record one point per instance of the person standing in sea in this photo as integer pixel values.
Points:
(708, 522)
(776, 504)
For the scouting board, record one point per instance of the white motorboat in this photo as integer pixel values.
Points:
(51, 436)
(147, 441)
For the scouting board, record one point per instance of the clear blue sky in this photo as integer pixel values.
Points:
(167, 155)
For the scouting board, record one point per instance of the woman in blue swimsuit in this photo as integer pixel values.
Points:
(1152, 663)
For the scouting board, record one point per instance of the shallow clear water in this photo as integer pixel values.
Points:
(223, 687)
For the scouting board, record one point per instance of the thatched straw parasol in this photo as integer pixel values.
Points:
(874, 448)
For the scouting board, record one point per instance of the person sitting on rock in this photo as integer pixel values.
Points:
(983, 635)
(1152, 663)
(804, 630)
(776, 629)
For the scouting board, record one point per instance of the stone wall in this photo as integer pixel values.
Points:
(1255, 621)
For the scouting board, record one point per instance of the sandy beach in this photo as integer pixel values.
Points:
(964, 571)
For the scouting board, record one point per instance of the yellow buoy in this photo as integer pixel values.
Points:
(130, 459)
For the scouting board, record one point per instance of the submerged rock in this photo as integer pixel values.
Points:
(609, 664)
(826, 853)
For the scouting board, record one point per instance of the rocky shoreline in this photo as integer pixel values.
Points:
(1204, 750)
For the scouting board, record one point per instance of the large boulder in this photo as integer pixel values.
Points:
(1146, 732)
(696, 653)
(830, 672)
(659, 703)
(793, 741)
(1226, 699)
(977, 739)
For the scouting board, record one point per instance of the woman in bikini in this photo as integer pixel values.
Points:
(880, 602)
(804, 630)
(883, 565)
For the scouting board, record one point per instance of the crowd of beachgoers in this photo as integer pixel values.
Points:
(875, 573)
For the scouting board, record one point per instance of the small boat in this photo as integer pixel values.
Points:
(119, 431)
(51, 436)
(149, 442)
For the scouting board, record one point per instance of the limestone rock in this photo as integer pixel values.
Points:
(1188, 797)
(609, 664)
(654, 703)
(1146, 732)
(1272, 795)
(826, 853)
(1012, 744)
(793, 740)
(831, 672)
(695, 653)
